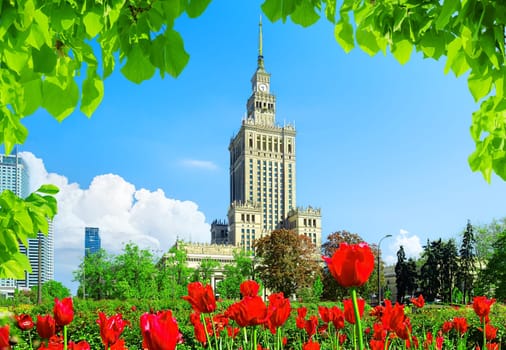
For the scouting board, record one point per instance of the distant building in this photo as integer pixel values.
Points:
(391, 282)
(263, 174)
(91, 240)
(40, 251)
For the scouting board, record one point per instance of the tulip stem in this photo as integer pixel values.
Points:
(64, 338)
(484, 333)
(358, 322)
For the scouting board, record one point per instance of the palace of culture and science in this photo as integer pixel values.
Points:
(263, 174)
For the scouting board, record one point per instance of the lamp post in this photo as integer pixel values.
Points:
(379, 253)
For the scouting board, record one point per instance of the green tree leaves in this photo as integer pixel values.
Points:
(470, 33)
(21, 219)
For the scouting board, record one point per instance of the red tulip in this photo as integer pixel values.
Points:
(481, 306)
(250, 311)
(278, 311)
(447, 326)
(110, 328)
(46, 326)
(119, 345)
(300, 321)
(310, 326)
(460, 325)
(63, 311)
(232, 331)
(311, 345)
(24, 322)
(377, 344)
(201, 297)
(418, 302)
(399, 323)
(249, 288)
(82, 345)
(198, 328)
(4, 337)
(53, 343)
(352, 264)
(337, 317)
(159, 331)
(490, 331)
(349, 314)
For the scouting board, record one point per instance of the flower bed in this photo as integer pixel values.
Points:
(200, 321)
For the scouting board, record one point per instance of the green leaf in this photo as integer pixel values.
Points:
(330, 10)
(453, 49)
(59, 102)
(168, 53)
(479, 85)
(367, 41)
(278, 9)
(44, 60)
(487, 43)
(48, 189)
(16, 59)
(23, 219)
(15, 267)
(432, 44)
(9, 240)
(305, 14)
(448, 9)
(36, 37)
(93, 92)
(195, 8)
(64, 18)
(138, 67)
(12, 132)
(32, 93)
(94, 21)
(402, 50)
(343, 32)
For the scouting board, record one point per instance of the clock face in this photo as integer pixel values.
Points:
(262, 87)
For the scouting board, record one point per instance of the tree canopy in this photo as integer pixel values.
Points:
(288, 261)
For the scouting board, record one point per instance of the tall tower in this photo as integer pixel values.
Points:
(40, 250)
(91, 240)
(262, 169)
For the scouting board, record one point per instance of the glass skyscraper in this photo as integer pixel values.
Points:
(91, 240)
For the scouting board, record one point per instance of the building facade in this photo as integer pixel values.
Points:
(40, 251)
(92, 243)
(263, 172)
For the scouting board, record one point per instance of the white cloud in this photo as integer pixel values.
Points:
(410, 243)
(122, 213)
(199, 164)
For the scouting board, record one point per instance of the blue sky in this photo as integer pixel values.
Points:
(381, 148)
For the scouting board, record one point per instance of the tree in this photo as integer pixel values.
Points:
(204, 272)
(287, 261)
(50, 290)
(331, 289)
(467, 263)
(439, 270)
(48, 61)
(449, 269)
(236, 273)
(134, 273)
(494, 275)
(173, 273)
(95, 276)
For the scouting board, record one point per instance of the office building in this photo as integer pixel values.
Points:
(91, 240)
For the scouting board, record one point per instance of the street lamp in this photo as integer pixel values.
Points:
(379, 253)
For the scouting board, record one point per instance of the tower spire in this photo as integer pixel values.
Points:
(260, 45)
